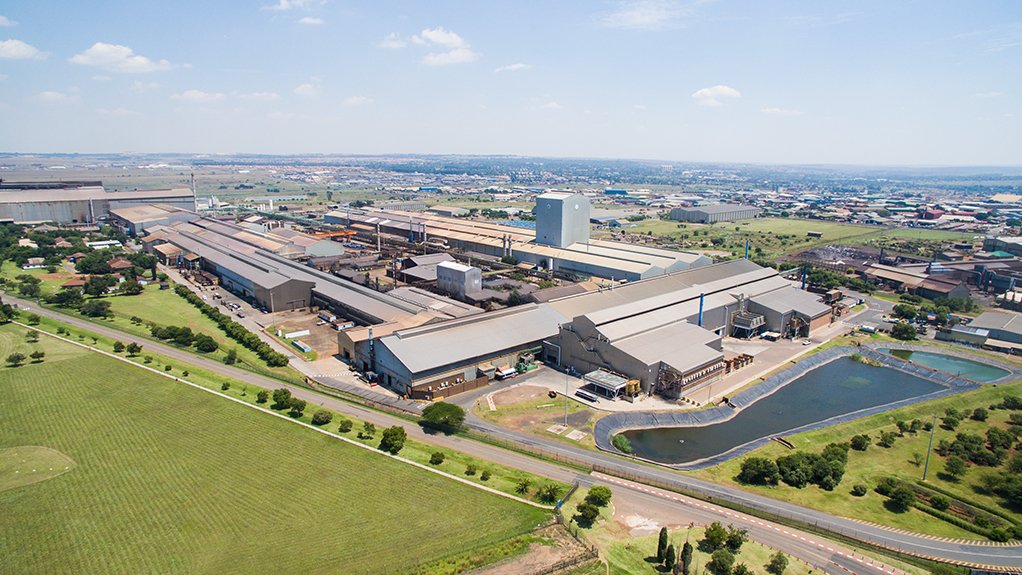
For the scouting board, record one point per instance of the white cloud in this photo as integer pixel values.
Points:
(284, 116)
(513, 68)
(994, 94)
(53, 97)
(639, 107)
(117, 112)
(3, 77)
(138, 87)
(393, 42)
(455, 49)
(307, 90)
(259, 96)
(311, 21)
(199, 97)
(285, 5)
(715, 96)
(781, 112)
(18, 50)
(645, 15)
(551, 105)
(117, 58)
(357, 101)
(101, 78)
(6, 22)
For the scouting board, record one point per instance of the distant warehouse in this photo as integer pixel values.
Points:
(79, 202)
(715, 213)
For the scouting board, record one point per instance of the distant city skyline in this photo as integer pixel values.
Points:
(868, 83)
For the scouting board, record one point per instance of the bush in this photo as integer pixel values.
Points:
(860, 442)
(263, 396)
(778, 563)
(225, 386)
(147, 359)
(322, 417)
(281, 398)
(599, 495)
(622, 444)
(485, 475)
(940, 503)
(438, 457)
(167, 367)
(587, 515)
(887, 439)
(345, 426)
(470, 469)
(549, 493)
(297, 408)
(522, 487)
(443, 415)
(979, 414)
(721, 562)
(759, 471)
(859, 490)
(118, 347)
(901, 499)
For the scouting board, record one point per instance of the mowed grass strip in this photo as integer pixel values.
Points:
(172, 480)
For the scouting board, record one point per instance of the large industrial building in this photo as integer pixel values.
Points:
(261, 267)
(666, 332)
(715, 213)
(560, 241)
(79, 202)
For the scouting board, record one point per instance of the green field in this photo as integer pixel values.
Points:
(782, 236)
(876, 462)
(168, 479)
(163, 307)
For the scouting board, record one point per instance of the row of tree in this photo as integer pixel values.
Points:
(184, 336)
(798, 469)
(235, 330)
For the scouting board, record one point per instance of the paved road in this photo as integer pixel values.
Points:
(959, 552)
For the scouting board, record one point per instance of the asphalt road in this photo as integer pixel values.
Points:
(1000, 556)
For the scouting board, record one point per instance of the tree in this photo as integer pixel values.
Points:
(736, 538)
(522, 487)
(281, 398)
(954, 466)
(118, 347)
(940, 503)
(759, 471)
(345, 426)
(205, 344)
(297, 407)
(98, 285)
(37, 356)
(860, 442)
(903, 331)
(671, 557)
(96, 308)
(599, 495)
(715, 536)
(70, 298)
(586, 515)
(443, 415)
(905, 311)
(979, 414)
(686, 558)
(263, 396)
(721, 562)
(549, 493)
(322, 417)
(232, 357)
(741, 569)
(901, 499)
(133, 349)
(393, 439)
(778, 563)
(887, 439)
(661, 546)
(437, 458)
(15, 359)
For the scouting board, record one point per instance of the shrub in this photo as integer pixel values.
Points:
(940, 503)
(438, 457)
(118, 347)
(393, 439)
(549, 493)
(887, 439)
(599, 495)
(184, 373)
(167, 367)
(759, 471)
(147, 359)
(901, 499)
(281, 398)
(322, 417)
(721, 562)
(263, 396)
(225, 386)
(470, 469)
(778, 563)
(587, 514)
(297, 408)
(860, 442)
(485, 475)
(622, 444)
(345, 426)
(522, 487)
(979, 414)
(859, 490)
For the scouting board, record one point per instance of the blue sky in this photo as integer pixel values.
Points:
(886, 82)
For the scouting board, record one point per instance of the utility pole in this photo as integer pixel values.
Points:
(565, 399)
(929, 448)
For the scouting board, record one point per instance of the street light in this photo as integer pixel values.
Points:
(929, 448)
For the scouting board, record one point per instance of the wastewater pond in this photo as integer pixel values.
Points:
(840, 387)
(973, 370)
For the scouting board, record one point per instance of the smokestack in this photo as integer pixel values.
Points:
(746, 249)
(701, 297)
(804, 273)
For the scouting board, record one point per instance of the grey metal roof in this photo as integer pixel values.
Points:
(421, 349)
(788, 299)
(720, 208)
(431, 301)
(998, 320)
(89, 193)
(680, 345)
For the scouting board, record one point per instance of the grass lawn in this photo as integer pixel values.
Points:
(898, 461)
(169, 479)
(164, 307)
(536, 415)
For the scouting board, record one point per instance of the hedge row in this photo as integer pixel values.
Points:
(982, 506)
(234, 330)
